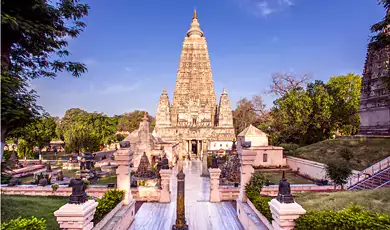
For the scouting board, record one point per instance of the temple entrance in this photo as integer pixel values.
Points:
(194, 147)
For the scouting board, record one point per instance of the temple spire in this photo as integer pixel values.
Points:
(195, 30)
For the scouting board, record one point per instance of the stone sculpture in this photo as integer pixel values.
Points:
(78, 196)
(60, 176)
(48, 167)
(284, 194)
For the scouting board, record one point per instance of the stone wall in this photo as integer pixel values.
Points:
(150, 194)
(312, 169)
(48, 191)
(272, 190)
(229, 193)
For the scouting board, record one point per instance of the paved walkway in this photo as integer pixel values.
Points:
(200, 213)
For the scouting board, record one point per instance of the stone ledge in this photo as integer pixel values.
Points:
(259, 215)
(108, 217)
(248, 218)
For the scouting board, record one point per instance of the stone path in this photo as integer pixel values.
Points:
(200, 213)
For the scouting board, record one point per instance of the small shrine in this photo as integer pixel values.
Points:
(145, 175)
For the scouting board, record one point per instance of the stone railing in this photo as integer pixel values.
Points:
(357, 177)
(144, 193)
(272, 190)
(228, 192)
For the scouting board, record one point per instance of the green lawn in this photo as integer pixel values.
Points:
(372, 200)
(292, 178)
(106, 180)
(27, 206)
(366, 152)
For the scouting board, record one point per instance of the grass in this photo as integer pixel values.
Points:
(27, 180)
(26, 206)
(372, 200)
(106, 180)
(292, 178)
(366, 152)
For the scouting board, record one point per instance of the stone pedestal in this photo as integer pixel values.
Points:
(165, 195)
(76, 216)
(285, 214)
(247, 158)
(214, 184)
(123, 159)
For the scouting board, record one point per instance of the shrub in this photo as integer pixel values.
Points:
(256, 183)
(6, 155)
(289, 148)
(350, 218)
(5, 178)
(252, 190)
(346, 154)
(338, 171)
(261, 204)
(54, 187)
(109, 201)
(20, 223)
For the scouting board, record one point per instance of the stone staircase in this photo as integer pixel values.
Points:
(369, 174)
(379, 180)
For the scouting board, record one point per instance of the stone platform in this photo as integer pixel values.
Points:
(200, 213)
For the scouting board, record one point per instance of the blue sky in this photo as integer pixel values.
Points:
(132, 48)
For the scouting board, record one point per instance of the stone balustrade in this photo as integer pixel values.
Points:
(272, 190)
(228, 193)
(35, 190)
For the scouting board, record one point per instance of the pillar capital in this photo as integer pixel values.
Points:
(76, 216)
(285, 214)
(247, 157)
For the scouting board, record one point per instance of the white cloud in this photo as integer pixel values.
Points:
(264, 8)
(120, 88)
(128, 69)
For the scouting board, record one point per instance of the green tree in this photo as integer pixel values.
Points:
(130, 121)
(338, 171)
(244, 115)
(380, 40)
(345, 91)
(83, 131)
(33, 44)
(291, 115)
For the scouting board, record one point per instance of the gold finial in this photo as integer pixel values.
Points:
(195, 17)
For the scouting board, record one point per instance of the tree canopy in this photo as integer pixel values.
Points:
(33, 44)
(83, 131)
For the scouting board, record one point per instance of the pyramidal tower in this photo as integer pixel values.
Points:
(375, 96)
(194, 119)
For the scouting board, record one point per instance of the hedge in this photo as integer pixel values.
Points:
(109, 201)
(350, 218)
(252, 190)
(20, 223)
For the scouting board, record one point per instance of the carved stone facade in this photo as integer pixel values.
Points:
(375, 96)
(194, 119)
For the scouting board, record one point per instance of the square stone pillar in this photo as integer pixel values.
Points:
(76, 216)
(214, 184)
(247, 158)
(285, 214)
(123, 158)
(165, 195)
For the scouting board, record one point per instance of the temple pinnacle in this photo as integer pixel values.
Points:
(195, 17)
